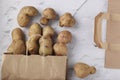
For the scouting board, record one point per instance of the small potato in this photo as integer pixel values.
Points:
(35, 28)
(82, 70)
(44, 21)
(48, 31)
(33, 44)
(45, 46)
(49, 13)
(60, 49)
(25, 15)
(64, 37)
(67, 20)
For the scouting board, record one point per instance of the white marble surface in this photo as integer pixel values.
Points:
(81, 49)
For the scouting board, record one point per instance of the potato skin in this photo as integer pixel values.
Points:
(23, 20)
(19, 47)
(35, 28)
(17, 33)
(82, 70)
(33, 44)
(49, 13)
(44, 21)
(64, 37)
(48, 31)
(33, 41)
(24, 15)
(60, 49)
(46, 40)
(45, 46)
(66, 20)
(18, 44)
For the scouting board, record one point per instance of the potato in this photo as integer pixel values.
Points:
(44, 21)
(25, 15)
(66, 20)
(64, 37)
(45, 46)
(60, 49)
(49, 13)
(17, 33)
(33, 44)
(18, 44)
(82, 70)
(35, 28)
(48, 31)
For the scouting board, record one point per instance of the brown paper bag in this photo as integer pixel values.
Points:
(33, 67)
(112, 44)
(114, 6)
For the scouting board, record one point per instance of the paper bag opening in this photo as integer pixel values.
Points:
(33, 67)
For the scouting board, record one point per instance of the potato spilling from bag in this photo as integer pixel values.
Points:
(18, 43)
(45, 46)
(33, 41)
(60, 47)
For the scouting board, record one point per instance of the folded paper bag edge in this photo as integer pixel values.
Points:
(59, 65)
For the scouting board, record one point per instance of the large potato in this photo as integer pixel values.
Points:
(18, 44)
(25, 15)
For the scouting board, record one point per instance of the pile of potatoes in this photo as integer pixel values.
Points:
(40, 41)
